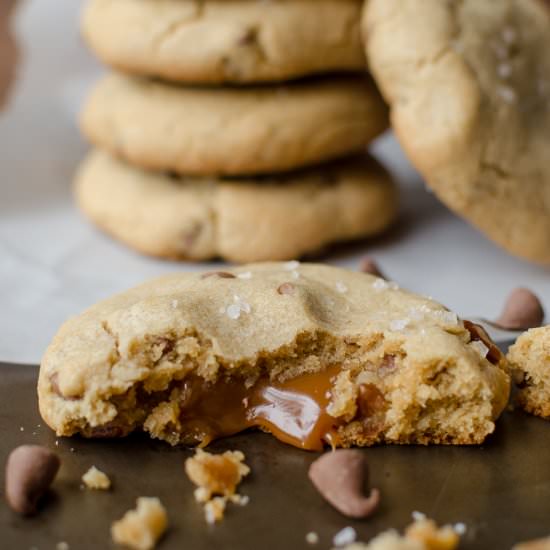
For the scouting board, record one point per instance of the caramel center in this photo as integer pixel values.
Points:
(294, 411)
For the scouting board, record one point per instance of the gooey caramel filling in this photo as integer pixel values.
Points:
(294, 411)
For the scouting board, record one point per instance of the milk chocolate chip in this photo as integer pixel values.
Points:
(340, 476)
(286, 288)
(30, 471)
(368, 265)
(522, 311)
(220, 274)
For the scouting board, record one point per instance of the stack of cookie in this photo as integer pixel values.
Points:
(211, 142)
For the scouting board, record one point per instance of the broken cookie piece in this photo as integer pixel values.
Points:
(96, 479)
(217, 478)
(343, 360)
(140, 529)
(529, 359)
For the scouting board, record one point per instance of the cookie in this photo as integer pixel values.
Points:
(240, 220)
(310, 353)
(216, 41)
(469, 89)
(233, 131)
(530, 359)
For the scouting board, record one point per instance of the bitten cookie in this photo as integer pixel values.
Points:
(240, 220)
(218, 41)
(233, 131)
(469, 88)
(530, 359)
(310, 353)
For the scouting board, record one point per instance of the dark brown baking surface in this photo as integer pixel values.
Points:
(501, 491)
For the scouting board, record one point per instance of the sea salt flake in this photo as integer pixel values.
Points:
(509, 35)
(460, 528)
(312, 538)
(393, 285)
(380, 284)
(245, 275)
(233, 311)
(295, 274)
(447, 318)
(341, 287)
(480, 347)
(399, 324)
(418, 516)
(291, 266)
(504, 70)
(507, 94)
(175, 304)
(347, 535)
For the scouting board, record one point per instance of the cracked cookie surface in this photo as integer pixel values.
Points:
(529, 357)
(233, 131)
(469, 92)
(240, 220)
(344, 358)
(217, 41)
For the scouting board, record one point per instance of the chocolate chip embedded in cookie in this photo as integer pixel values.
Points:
(469, 89)
(529, 358)
(217, 41)
(233, 131)
(241, 220)
(340, 361)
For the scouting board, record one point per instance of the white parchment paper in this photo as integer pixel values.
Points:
(53, 263)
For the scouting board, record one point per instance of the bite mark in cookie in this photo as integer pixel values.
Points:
(313, 367)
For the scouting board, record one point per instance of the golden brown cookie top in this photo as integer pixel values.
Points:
(469, 90)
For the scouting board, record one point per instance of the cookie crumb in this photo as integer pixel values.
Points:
(175, 304)
(423, 534)
(312, 538)
(214, 509)
(431, 536)
(96, 479)
(347, 535)
(217, 478)
(62, 546)
(141, 528)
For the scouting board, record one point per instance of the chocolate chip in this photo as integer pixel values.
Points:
(30, 471)
(522, 311)
(286, 288)
(340, 476)
(107, 431)
(478, 334)
(368, 265)
(248, 37)
(220, 274)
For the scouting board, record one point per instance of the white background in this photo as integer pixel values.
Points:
(53, 264)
